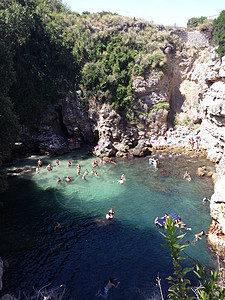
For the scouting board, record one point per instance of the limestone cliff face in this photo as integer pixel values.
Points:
(202, 87)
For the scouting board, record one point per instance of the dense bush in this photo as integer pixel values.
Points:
(193, 23)
(219, 33)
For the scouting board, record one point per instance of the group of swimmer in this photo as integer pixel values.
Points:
(180, 224)
(69, 164)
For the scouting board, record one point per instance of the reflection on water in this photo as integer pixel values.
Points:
(90, 249)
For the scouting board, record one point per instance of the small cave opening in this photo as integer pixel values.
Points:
(64, 131)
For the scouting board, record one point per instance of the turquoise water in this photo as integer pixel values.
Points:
(89, 250)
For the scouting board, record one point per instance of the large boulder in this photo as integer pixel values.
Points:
(142, 149)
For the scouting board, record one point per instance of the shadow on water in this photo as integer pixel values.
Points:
(89, 250)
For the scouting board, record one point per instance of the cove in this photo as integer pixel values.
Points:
(89, 250)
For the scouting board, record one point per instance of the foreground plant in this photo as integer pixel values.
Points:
(211, 286)
(179, 288)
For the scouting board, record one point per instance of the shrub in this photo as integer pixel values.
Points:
(219, 33)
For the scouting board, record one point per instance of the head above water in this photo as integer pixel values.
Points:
(111, 280)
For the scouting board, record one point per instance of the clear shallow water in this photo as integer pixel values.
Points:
(90, 249)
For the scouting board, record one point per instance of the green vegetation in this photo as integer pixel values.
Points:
(193, 23)
(44, 48)
(160, 105)
(181, 287)
(219, 33)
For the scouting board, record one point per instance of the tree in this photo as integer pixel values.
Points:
(219, 33)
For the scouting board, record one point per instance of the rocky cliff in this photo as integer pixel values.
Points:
(191, 92)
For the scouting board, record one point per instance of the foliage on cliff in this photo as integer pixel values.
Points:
(44, 45)
(219, 33)
(193, 23)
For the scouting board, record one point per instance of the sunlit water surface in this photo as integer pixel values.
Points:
(89, 250)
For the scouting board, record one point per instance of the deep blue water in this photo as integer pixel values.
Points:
(89, 250)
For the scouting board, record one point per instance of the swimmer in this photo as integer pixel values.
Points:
(86, 172)
(59, 180)
(40, 163)
(109, 285)
(187, 176)
(78, 169)
(69, 164)
(57, 162)
(95, 164)
(112, 161)
(121, 181)
(205, 200)
(109, 215)
(199, 235)
(112, 211)
(180, 224)
(123, 177)
(156, 219)
(37, 170)
(96, 174)
(83, 177)
(68, 179)
(58, 226)
(49, 167)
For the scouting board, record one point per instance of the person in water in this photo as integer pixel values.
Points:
(69, 164)
(121, 181)
(49, 167)
(57, 162)
(156, 220)
(40, 163)
(187, 176)
(78, 169)
(109, 285)
(96, 174)
(199, 235)
(68, 179)
(59, 180)
(58, 226)
(112, 211)
(109, 215)
(123, 177)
